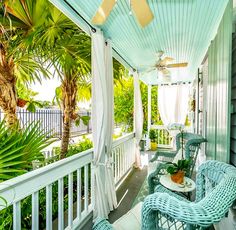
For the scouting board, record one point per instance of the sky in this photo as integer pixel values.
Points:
(46, 91)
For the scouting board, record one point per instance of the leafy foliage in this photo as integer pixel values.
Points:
(153, 135)
(182, 165)
(81, 146)
(124, 103)
(18, 148)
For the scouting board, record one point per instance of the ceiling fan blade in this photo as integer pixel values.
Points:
(166, 60)
(103, 12)
(176, 65)
(142, 12)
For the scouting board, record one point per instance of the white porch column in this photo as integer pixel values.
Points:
(99, 124)
(149, 112)
(138, 117)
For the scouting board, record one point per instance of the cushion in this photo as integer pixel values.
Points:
(131, 220)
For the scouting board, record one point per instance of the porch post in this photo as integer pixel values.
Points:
(149, 112)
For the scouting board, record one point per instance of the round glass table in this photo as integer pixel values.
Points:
(188, 185)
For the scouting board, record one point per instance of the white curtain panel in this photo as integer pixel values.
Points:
(109, 182)
(173, 103)
(138, 118)
(99, 124)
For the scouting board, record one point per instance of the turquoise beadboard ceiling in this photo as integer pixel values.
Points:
(183, 29)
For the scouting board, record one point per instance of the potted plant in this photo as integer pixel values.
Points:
(153, 138)
(178, 170)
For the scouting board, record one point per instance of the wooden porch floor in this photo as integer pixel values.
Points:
(128, 191)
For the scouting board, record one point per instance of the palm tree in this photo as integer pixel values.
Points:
(17, 63)
(57, 41)
(69, 51)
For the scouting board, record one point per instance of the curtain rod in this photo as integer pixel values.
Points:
(76, 12)
(93, 29)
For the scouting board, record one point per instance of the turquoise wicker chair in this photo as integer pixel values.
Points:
(191, 149)
(190, 139)
(164, 210)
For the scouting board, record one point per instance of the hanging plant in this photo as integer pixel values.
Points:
(21, 102)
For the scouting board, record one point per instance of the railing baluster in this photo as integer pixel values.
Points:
(16, 216)
(35, 211)
(49, 207)
(70, 200)
(60, 204)
(86, 188)
(115, 164)
(79, 193)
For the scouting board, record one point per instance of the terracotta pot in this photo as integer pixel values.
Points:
(178, 177)
(21, 102)
(153, 146)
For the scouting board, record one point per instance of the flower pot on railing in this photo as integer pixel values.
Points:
(153, 138)
(153, 146)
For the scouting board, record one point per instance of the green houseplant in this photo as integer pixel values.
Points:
(153, 138)
(178, 170)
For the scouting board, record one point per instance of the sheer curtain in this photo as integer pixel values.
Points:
(99, 124)
(109, 182)
(138, 118)
(104, 199)
(173, 105)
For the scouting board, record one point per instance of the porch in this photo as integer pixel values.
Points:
(74, 190)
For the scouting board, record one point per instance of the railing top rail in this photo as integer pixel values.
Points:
(123, 139)
(158, 127)
(22, 186)
(164, 127)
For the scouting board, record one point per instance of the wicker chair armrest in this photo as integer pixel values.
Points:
(102, 224)
(174, 208)
(153, 178)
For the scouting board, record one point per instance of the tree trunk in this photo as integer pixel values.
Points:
(8, 95)
(69, 91)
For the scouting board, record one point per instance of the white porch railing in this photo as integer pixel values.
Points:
(75, 171)
(163, 136)
(72, 179)
(123, 157)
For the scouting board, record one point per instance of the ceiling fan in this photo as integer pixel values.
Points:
(163, 66)
(140, 8)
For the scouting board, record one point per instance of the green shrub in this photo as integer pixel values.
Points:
(18, 148)
(73, 149)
